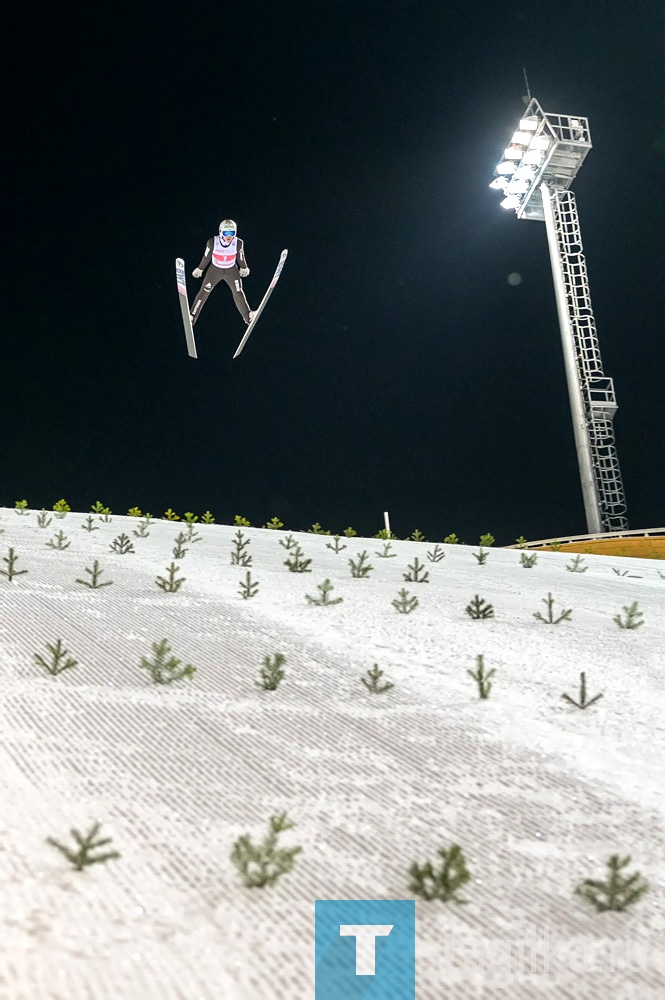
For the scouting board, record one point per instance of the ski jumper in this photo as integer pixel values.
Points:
(223, 263)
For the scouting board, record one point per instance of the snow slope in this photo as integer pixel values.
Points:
(537, 793)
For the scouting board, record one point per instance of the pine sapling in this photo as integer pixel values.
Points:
(95, 574)
(577, 565)
(288, 543)
(21, 507)
(316, 529)
(444, 883)
(170, 515)
(403, 603)
(191, 518)
(416, 574)
(179, 550)
(618, 892)
(207, 518)
(239, 557)
(451, 539)
(241, 522)
(386, 554)
(58, 541)
(480, 556)
(521, 542)
(551, 620)
(192, 534)
(296, 563)
(479, 608)
(349, 532)
(528, 561)
(170, 584)
(325, 599)
(61, 508)
(103, 512)
(417, 536)
(263, 864)
(582, 703)
(142, 530)
(633, 614)
(165, 669)
(336, 547)
(384, 534)
(43, 520)
(360, 569)
(487, 540)
(373, 679)
(248, 587)
(83, 858)
(436, 554)
(122, 544)
(481, 678)
(11, 571)
(58, 655)
(271, 672)
(89, 524)
(274, 523)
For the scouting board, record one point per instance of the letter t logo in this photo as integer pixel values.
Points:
(365, 935)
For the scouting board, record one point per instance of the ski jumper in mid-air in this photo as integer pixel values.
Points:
(224, 259)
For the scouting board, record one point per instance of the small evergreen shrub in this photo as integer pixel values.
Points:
(83, 857)
(165, 669)
(618, 892)
(263, 864)
(443, 884)
(95, 574)
(373, 681)
(582, 703)
(58, 662)
(324, 590)
(551, 620)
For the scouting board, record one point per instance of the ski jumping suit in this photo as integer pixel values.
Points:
(225, 262)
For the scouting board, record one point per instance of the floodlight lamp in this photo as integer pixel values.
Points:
(512, 201)
(524, 173)
(533, 157)
(539, 142)
(521, 138)
(499, 184)
(505, 167)
(528, 125)
(513, 154)
(518, 187)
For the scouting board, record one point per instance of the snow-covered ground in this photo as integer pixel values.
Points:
(538, 793)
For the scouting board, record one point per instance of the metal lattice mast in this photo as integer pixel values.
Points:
(538, 168)
(604, 498)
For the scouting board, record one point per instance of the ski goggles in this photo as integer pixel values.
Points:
(228, 232)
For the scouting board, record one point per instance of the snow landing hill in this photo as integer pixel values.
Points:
(538, 793)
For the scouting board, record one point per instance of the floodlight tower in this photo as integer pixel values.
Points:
(535, 174)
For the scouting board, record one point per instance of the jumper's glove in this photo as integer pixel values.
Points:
(197, 272)
(244, 271)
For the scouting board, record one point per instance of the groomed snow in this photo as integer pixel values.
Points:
(537, 793)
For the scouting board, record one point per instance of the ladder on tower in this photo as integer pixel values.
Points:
(597, 389)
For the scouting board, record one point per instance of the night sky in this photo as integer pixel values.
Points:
(394, 367)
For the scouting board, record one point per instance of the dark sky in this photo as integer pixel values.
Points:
(394, 367)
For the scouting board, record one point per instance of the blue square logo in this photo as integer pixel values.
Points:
(365, 949)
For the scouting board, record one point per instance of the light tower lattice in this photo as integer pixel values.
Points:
(535, 174)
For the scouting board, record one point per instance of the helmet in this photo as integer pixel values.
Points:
(227, 227)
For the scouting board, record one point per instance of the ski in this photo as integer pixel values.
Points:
(275, 279)
(184, 307)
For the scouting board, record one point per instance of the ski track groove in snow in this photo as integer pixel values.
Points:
(537, 793)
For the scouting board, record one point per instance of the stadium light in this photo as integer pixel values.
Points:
(535, 175)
